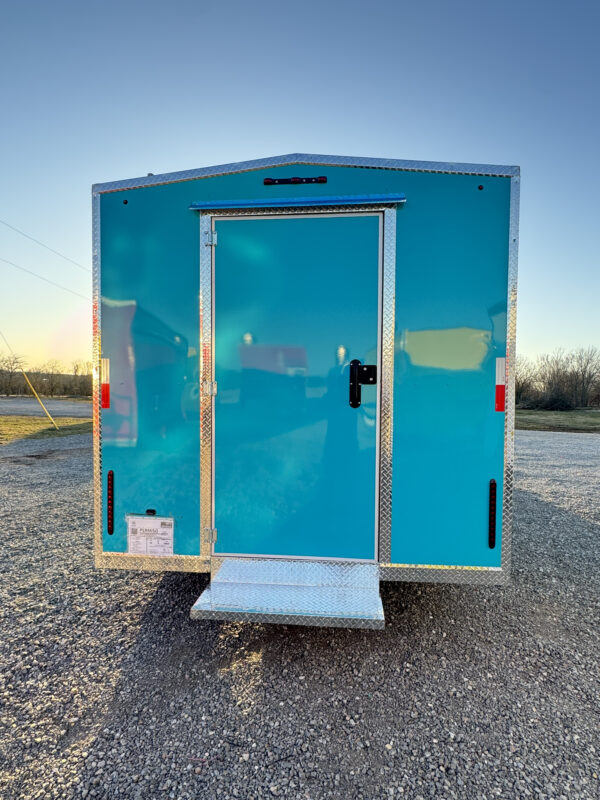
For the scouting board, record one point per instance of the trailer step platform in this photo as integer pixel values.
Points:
(340, 594)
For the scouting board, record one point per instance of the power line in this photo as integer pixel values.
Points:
(12, 352)
(37, 241)
(42, 278)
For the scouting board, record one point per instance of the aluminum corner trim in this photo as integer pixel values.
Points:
(96, 392)
(511, 349)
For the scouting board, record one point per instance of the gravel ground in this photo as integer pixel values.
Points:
(29, 407)
(109, 690)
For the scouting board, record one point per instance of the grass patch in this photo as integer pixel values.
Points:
(583, 420)
(15, 427)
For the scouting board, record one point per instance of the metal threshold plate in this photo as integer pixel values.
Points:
(292, 592)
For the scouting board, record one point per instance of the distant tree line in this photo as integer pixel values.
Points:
(49, 380)
(560, 381)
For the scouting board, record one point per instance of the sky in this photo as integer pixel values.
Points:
(100, 90)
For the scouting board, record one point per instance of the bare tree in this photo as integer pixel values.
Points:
(525, 379)
(51, 376)
(585, 367)
(10, 367)
(80, 382)
(33, 373)
(555, 380)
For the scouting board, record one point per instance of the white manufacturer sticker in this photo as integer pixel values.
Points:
(150, 536)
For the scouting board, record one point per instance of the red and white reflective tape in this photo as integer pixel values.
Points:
(500, 384)
(104, 383)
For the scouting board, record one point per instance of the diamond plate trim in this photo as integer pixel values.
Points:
(295, 572)
(490, 170)
(310, 601)
(422, 573)
(206, 375)
(292, 591)
(282, 211)
(386, 408)
(288, 619)
(153, 563)
(511, 349)
(96, 353)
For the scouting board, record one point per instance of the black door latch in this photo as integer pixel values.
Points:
(360, 374)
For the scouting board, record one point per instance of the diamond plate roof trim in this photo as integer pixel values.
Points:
(487, 170)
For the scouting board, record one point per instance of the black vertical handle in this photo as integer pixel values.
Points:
(354, 384)
(492, 516)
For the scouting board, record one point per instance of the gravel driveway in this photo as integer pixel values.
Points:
(109, 690)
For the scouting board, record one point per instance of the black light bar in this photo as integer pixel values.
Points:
(280, 181)
(110, 501)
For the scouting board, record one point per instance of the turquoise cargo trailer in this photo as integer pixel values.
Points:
(304, 380)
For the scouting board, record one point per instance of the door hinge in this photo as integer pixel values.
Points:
(211, 239)
(360, 375)
(211, 534)
(209, 388)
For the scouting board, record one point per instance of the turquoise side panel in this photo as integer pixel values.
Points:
(150, 433)
(294, 301)
(451, 302)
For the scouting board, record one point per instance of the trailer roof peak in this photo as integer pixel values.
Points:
(291, 159)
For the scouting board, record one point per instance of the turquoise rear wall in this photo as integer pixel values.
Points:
(451, 298)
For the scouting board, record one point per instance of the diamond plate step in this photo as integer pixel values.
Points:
(292, 592)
